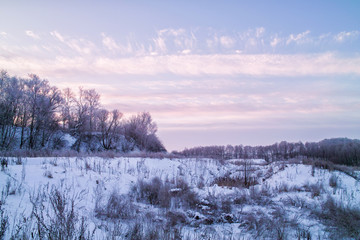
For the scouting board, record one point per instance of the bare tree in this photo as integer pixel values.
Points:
(67, 108)
(10, 95)
(43, 101)
(109, 127)
(93, 102)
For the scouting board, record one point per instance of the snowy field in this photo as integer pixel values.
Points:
(147, 198)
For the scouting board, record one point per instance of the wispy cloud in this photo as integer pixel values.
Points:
(198, 65)
(109, 42)
(111, 45)
(343, 36)
(160, 45)
(80, 45)
(169, 41)
(57, 35)
(32, 34)
(260, 32)
(255, 65)
(299, 38)
(227, 41)
(275, 41)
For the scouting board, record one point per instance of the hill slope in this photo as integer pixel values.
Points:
(144, 198)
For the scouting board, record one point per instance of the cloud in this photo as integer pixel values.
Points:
(173, 51)
(171, 31)
(195, 65)
(57, 35)
(169, 41)
(32, 34)
(212, 42)
(160, 45)
(109, 42)
(182, 41)
(275, 41)
(3, 34)
(80, 45)
(343, 36)
(299, 38)
(260, 32)
(227, 41)
(186, 51)
(255, 65)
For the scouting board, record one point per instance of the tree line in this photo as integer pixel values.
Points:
(35, 115)
(337, 150)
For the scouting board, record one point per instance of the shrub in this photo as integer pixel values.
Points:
(11, 188)
(295, 201)
(283, 187)
(256, 222)
(117, 206)
(135, 232)
(87, 166)
(272, 225)
(315, 189)
(342, 221)
(60, 220)
(150, 191)
(323, 164)
(19, 161)
(333, 181)
(4, 222)
(150, 231)
(241, 197)
(4, 164)
(303, 234)
(48, 174)
(176, 217)
(158, 193)
(22, 229)
(228, 181)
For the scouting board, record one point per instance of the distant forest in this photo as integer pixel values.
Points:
(337, 150)
(35, 116)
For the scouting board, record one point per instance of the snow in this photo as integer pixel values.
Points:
(70, 140)
(86, 178)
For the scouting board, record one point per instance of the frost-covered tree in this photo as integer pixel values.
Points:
(141, 129)
(43, 101)
(36, 115)
(109, 127)
(67, 108)
(92, 99)
(10, 102)
(28, 111)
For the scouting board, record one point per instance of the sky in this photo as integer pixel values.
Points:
(209, 72)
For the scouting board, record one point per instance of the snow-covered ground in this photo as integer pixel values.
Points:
(279, 201)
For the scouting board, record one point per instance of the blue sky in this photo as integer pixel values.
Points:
(210, 72)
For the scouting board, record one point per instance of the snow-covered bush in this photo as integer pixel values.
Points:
(117, 206)
(268, 225)
(4, 219)
(165, 194)
(59, 219)
(315, 189)
(342, 221)
(48, 174)
(333, 181)
(4, 164)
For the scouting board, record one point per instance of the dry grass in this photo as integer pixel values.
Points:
(342, 222)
